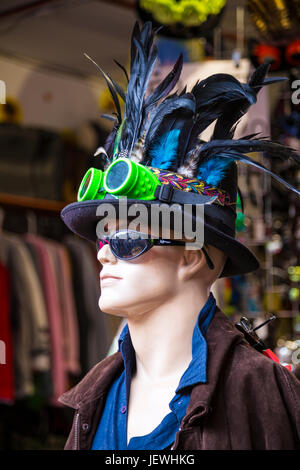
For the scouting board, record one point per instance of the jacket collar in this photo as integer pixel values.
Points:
(221, 336)
(95, 384)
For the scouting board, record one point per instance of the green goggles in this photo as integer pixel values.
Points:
(123, 177)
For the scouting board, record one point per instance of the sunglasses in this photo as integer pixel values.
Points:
(129, 244)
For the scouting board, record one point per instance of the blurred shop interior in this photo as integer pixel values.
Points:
(52, 99)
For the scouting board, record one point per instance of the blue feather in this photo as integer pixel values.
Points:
(164, 152)
(214, 170)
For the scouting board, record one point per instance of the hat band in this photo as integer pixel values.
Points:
(192, 185)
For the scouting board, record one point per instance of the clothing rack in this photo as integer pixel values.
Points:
(24, 202)
(75, 275)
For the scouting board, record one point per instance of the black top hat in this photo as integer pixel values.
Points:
(160, 132)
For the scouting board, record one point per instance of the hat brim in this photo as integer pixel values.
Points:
(81, 219)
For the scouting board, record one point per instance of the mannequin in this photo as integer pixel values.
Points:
(183, 378)
(176, 284)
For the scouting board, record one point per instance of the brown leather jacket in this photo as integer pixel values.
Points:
(248, 402)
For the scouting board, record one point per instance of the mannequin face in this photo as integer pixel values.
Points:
(135, 287)
(142, 284)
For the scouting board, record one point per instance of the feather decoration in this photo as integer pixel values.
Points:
(213, 96)
(222, 97)
(109, 117)
(192, 160)
(143, 56)
(164, 116)
(231, 150)
(270, 149)
(236, 151)
(240, 106)
(112, 88)
(214, 170)
(118, 88)
(110, 142)
(163, 130)
(190, 164)
(101, 153)
(246, 159)
(165, 86)
(164, 152)
(123, 69)
(138, 150)
(258, 80)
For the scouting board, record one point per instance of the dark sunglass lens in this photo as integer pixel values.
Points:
(127, 248)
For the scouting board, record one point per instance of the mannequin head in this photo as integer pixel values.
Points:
(159, 275)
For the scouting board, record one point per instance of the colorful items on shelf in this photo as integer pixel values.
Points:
(182, 18)
(275, 19)
(187, 12)
(281, 56)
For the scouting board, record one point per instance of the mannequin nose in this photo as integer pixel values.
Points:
(105, 255)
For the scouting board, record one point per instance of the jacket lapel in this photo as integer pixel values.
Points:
(96, 383)
(221, 337)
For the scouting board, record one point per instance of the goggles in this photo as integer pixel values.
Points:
(125, 177)
(130, 244)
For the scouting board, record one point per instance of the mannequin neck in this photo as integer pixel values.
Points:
(162, 337)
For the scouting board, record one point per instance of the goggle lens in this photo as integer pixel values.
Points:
(117, 175)
(85, 184)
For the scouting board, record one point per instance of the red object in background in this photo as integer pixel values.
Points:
(271, 355)
(7, 392)
(292, 53)
(264, 53)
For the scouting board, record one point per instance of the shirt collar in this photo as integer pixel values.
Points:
(196, 371)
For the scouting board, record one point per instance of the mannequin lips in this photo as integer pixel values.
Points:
(107, 278)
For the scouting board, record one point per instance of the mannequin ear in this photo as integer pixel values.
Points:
(193, 261)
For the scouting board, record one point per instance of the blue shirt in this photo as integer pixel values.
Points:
(112, 430)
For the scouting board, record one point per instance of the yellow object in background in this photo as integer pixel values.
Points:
(11, 111)
(272, 301)
(106, 103)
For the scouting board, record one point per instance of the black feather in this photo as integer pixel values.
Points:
(214, 96)
(123, 69)
(237, 150)
(111, 87)
(165, 87)
(118, 88)
(234, 155)
(271, 150)
(143, 56)
(241, 105)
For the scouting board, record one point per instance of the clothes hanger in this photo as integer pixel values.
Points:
(32, 223)
(2, 216)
